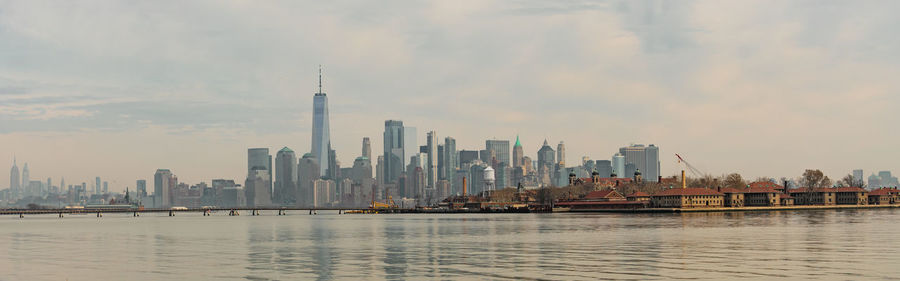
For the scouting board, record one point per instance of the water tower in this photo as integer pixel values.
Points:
(488, 180)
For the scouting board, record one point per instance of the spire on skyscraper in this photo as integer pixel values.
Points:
(320, 80)
(517, 141)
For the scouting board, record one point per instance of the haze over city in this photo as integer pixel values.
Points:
(119, 90)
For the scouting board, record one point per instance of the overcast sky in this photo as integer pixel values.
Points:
(117, 89)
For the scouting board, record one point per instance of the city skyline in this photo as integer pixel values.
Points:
(679, 76)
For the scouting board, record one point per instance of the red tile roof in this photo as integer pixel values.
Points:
(766, 184)
(609, 193)
(731, 190)
(883, 191)
(687, 191)
(762, 189)
(828, 189)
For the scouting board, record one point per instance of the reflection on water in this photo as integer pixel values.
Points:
(833, 244)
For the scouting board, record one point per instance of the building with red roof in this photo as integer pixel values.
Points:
(884, 196)
(638, 196)
(733, 197)
(687, 198)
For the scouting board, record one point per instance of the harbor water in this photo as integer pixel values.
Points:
(814, 244)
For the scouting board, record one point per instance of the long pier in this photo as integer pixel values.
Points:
(206, 211)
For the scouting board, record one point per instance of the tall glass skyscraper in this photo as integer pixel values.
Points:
(501, 151)
(394, 160)
(260, 159)
(644, 158)
(321, 134)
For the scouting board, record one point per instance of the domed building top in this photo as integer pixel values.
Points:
(285, 149)
(308, 155)
(637, 172)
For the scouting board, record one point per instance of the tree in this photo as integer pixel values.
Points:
(850, 180)
(734, 180)
(814, 179)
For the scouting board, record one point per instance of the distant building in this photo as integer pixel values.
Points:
(518, 154)
(256, 188)
(432, 166)
(163, 183)
(644, 158)
(561, 154)
(500, 152)
(14, 181)
(141, 188)
(450, 160)
(468, 156)
(285, 193)
(260, 159)
(308, 173)
(858, 175)
(546, 163)
(394, 160)
(321, 132)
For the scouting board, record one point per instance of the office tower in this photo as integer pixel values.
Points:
(105, 186)
(487, 156)
(362, 169)
(260, 159)
(527, 165)
(630, 168)
(546, 163)
(500, 150)
(618, 165)
(141, 186)
(394, 160)
(162, 185)
(476, 182)
(285, 178)
(379, 170)
(431, 144)
(308, 172)
(440, 162)
(62, 184)
(467, 156)
(561, 154)
(451, 160)
(518, 155)
(323, 193)
(256, 188)
(410, 142)
(321, 134)
(14, 181)
(858, 175)
(367, 148)
(26, 178)
(603, 168)
(644, 158)
(334, 169)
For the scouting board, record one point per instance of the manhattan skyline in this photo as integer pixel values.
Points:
(85, 96)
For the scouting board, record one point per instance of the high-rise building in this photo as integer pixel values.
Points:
(603, 168)
(367, 148)
(308, 172)
(321, 134)
(162, 187)
(260, 159)
(561, 154)
(858, 175)
(105, 186)
(14, 181)
(26, 177)
(618, 165)
(141, 186)
(285, 178)
(546, 163)
(467, 156)
(323, 193)
(431, 143)
(410, 143)
(500, 150)
(394, 160)
(644, 158)
(256, 188)
(518, 154)
(451, 160)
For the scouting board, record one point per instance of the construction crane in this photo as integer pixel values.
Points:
(694, 171)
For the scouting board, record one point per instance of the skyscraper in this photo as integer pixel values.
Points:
(25, 177)
(162, 185)
(321, 134)
(140, 185)
(431, 144)
(308, 172)
(394, 160)
(858, 175)
(97, 186)
(14, 181)
(410, 143)
(366, 148)
(256, 188)
(285, 177)
(561, 154)
(451, 160)
(260, 159)
(546, 163)
(644, 158)
(501, 152)
(518, 155)
(618, 165)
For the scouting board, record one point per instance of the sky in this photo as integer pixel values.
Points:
(117, 89)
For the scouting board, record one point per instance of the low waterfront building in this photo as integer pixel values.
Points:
(830, 196)
(604, 195)
(851, 196)
(687, 198)
(786, 199)
(638, 196)
(884, 196)
(763, 194)
(733, 197)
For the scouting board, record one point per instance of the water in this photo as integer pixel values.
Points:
(832, 244)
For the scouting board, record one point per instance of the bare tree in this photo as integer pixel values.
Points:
(810, 181)
(734, 180)
(850, 180)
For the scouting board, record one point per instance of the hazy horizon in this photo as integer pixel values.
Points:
(763, 88)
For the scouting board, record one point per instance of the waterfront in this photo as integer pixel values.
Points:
(819, 244)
